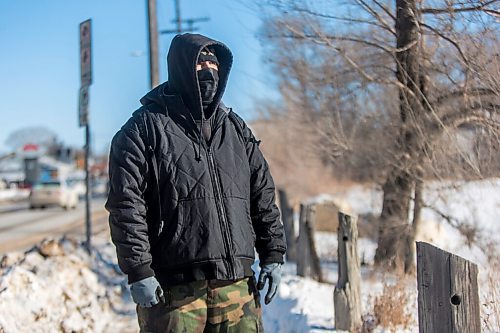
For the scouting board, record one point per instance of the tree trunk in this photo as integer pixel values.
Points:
(410, 259)
(394, 228)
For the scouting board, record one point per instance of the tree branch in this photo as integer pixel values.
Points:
(375, 14)
(385, 9)
(474, 92)
(451, 10)
(299, 35)
(346, 19)
(474, 114)
(448, 39)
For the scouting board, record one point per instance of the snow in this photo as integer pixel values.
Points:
(13, 194)
(303, 305)
(58, 287)
(66, 292)
(472, 204)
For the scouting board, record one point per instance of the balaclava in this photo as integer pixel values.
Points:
(208, 78)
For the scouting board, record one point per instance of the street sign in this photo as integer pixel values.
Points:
(83, 106)
(86, 53)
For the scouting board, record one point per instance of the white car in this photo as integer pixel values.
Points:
(53, 193)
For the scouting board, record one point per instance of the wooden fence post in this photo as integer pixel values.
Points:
(303, 265)
(314, 258)
(347, 294)
(287, 218)
(308, 263)
(448, 299)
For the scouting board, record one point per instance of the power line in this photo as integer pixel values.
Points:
(179, 22)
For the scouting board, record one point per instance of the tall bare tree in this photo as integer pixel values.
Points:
(434, 64)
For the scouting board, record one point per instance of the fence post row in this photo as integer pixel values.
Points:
(347, 294)
(448, 299)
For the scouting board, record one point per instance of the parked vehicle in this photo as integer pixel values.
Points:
(53, 193)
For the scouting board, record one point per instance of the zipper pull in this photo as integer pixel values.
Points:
(160, 229)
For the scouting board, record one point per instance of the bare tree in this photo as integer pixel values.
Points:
(41, 136)
(435, 65)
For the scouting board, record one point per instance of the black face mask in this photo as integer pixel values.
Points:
(208, 79)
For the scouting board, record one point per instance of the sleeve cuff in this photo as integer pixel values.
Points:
(139, 273)
(271, 257)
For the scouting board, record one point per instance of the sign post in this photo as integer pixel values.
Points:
(86, 52)
(83, 112)
(83, 106)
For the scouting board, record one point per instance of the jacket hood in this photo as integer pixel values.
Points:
(182, 77)
(156, 95)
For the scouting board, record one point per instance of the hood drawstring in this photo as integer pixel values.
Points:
(198, 158)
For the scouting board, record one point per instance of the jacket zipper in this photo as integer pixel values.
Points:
(222, 212)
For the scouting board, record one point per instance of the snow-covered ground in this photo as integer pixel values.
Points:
(57, 287)
(470, 204)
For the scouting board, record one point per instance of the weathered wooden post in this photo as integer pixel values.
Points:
(314, 258)
(308, 263)
(448, 299)
(347, 294)
(303, 255)
(287, 218)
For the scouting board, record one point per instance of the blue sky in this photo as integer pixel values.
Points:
(39, 61)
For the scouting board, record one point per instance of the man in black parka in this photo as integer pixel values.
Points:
(191, 198)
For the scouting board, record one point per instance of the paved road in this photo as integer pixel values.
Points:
(21, 228)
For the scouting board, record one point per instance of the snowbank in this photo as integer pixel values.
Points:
(57, 287)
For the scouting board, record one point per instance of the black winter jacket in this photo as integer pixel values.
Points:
(213, 203)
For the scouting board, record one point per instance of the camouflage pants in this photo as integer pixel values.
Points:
(205, 306)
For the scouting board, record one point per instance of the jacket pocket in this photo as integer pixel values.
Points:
(197, 237)
(241, 228)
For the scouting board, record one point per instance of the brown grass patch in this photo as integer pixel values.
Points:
(390, 308)
(490, 306)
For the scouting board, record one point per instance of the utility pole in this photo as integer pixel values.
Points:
(88, 222)
(178, 16)
(178, 21)
(154, 78)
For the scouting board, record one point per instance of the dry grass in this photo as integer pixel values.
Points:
(390, 308)
(490, 305)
